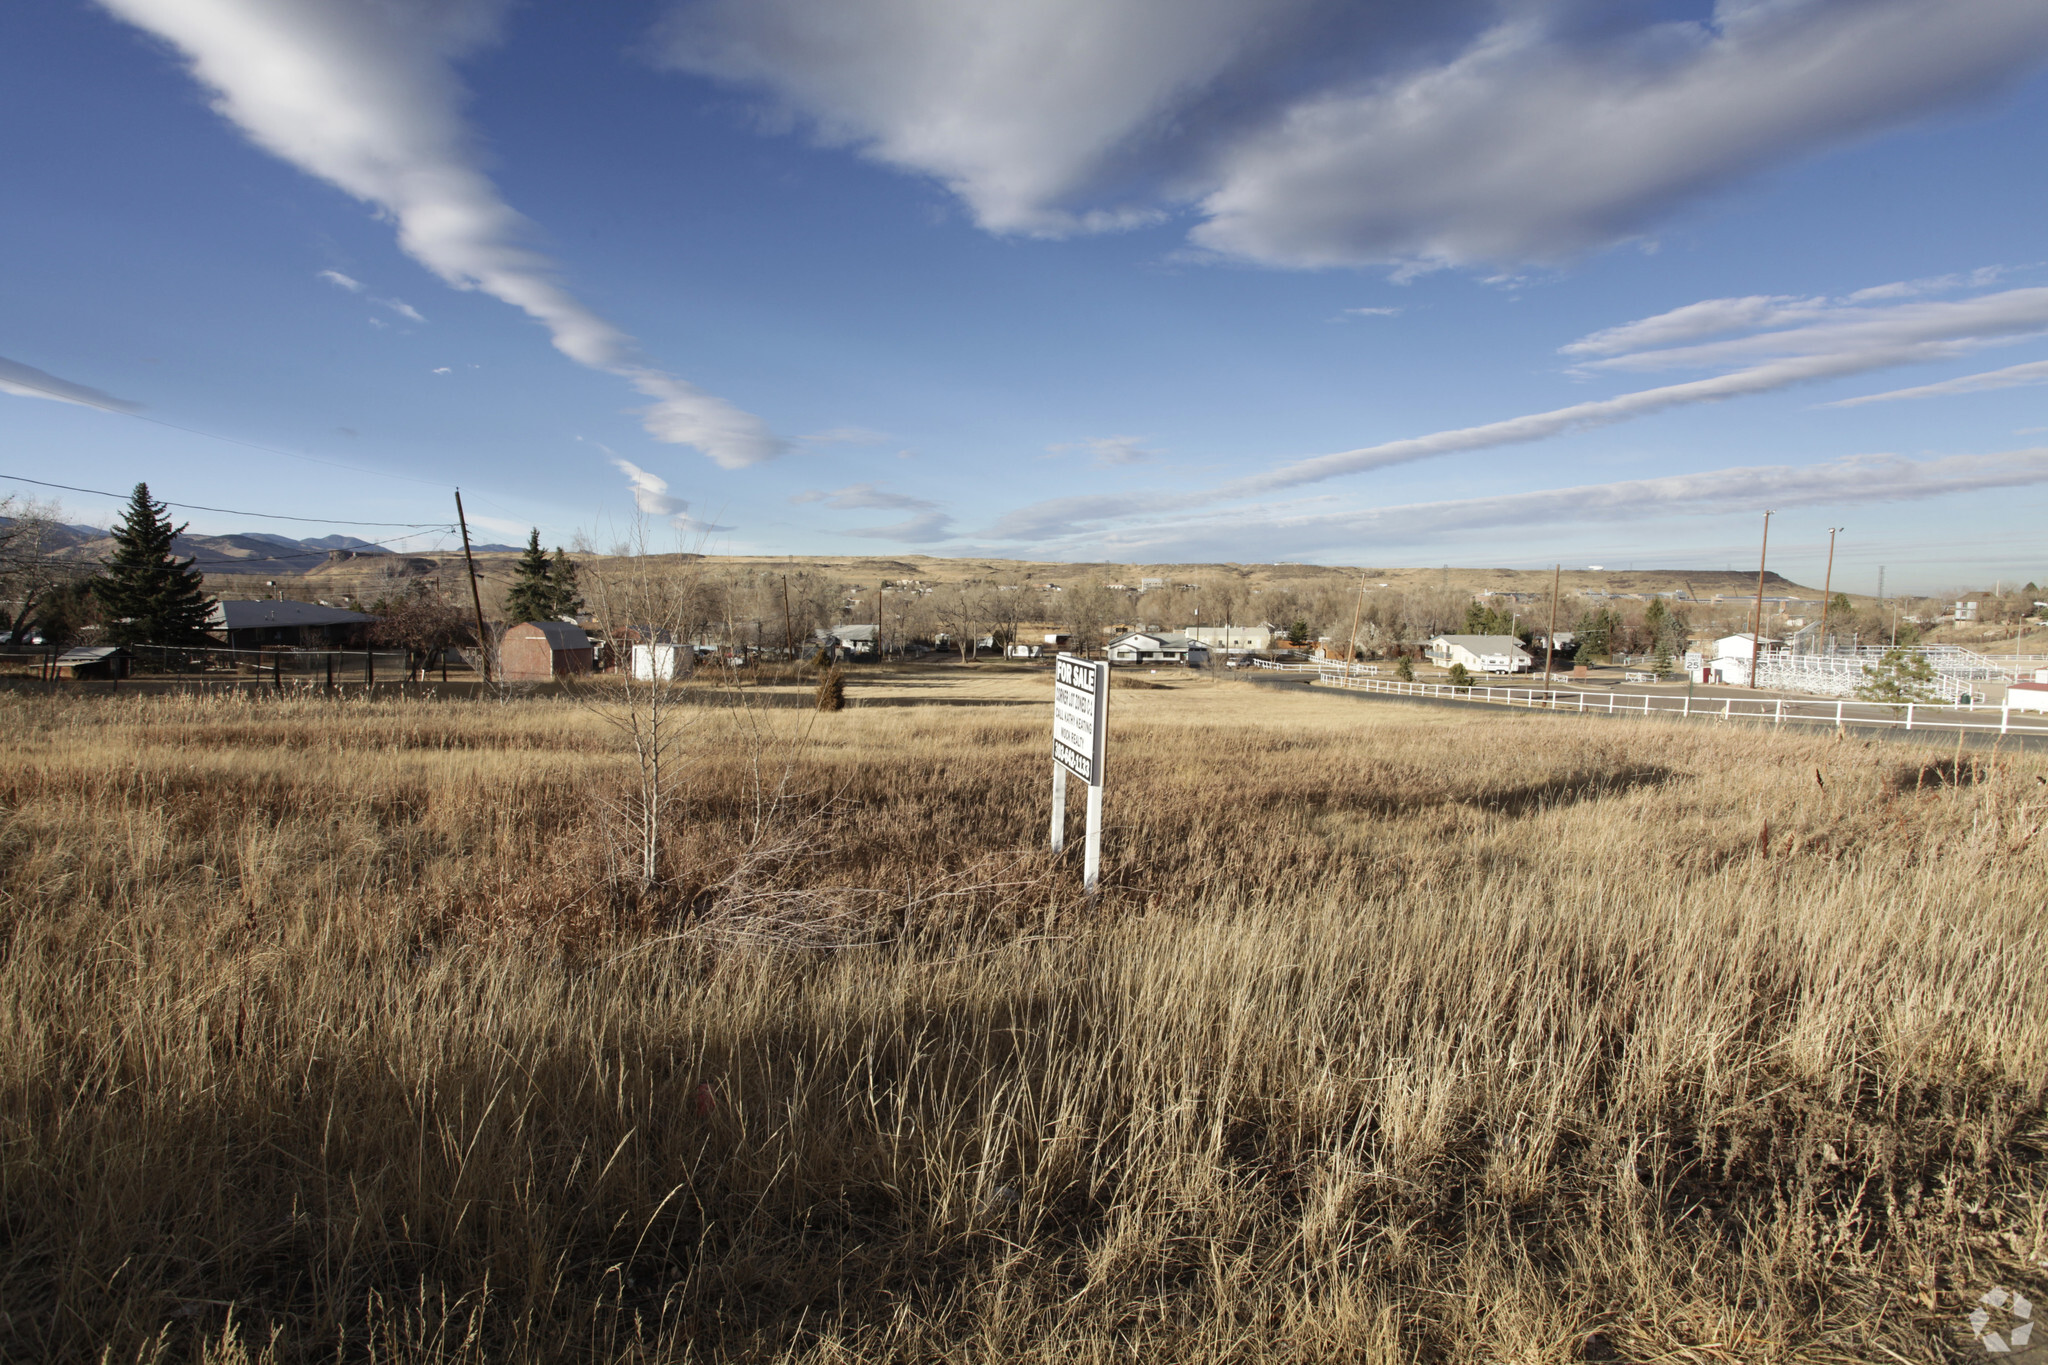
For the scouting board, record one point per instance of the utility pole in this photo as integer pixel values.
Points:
(1880, 583)
(1827, 589)
(788, 631)
(1550, 636)
(1756, 627)
(483, 643)
(1351, 645)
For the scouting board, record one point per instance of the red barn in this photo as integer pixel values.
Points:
(540, 651)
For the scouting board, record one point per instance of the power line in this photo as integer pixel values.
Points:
(16, 382)
(235, 511)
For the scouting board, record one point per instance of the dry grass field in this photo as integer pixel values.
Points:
(333, 1030)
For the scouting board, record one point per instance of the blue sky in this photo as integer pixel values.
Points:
(1477, 283)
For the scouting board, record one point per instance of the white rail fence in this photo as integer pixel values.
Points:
(1774, 710)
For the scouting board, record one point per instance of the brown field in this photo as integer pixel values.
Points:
(336, 1030)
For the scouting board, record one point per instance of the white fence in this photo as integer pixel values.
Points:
(1678, 705)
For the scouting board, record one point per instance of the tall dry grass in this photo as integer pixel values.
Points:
(330, 1031)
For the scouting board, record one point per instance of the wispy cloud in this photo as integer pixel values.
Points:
(26, 381)
(1782, 342)
(1310, 135)
(402, 308)
(2012, 376)
(1372, 312)
(850, 436)
(365, 97)
(864, 495)
(335, 277)
(1859, 479)
(918, 530)
(1109, 451)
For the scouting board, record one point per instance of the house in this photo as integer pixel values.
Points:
(854, 642)
(1480, 653)
(93, 661)
(299, 625)
(1732, 656)
(1233, 639)
(1157, 647)
(540, 651)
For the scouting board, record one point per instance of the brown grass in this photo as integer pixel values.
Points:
(329, 1031)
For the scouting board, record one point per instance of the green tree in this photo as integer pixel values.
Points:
(1596, 633)
(1840, 605)
(1901, 676)
(562, 573)
(1298, 632)
(148, 596)
(1460, 676)
(1404, 668)
(1481, 619)
(543, 589)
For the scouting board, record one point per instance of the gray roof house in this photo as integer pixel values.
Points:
(1480, 653)
(248, 625)
(1156, 647)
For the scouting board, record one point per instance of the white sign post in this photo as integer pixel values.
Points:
(1080, 725)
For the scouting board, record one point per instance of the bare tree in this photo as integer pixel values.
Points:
(421, 622)
(30, 571)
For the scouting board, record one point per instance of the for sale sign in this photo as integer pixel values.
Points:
(1080, 716)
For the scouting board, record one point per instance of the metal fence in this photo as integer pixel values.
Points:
(1981, 717)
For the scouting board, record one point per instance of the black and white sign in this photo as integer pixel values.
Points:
(1080, 716)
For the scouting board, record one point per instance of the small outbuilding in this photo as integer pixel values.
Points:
(540, 651)
(93, 661)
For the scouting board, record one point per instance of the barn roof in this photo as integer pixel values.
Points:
(561, 634)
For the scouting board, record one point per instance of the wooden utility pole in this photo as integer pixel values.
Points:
(788, 630)
(1756, 623)
(1550, 636)
(483, 642)
(1827, 589)
(1351, 645)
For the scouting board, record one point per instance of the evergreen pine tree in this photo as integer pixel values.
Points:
(148, 595)
(533, 596)
(562, 578)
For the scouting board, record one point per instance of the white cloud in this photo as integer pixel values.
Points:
(865, 495)
(1109, 451)
(1372, 312)
(364, 97)
(335, 277)
(852, 436)
(651, 496)
(1307, 134)
(402, 308)
(922, 529)
(442, 369)
(1858, 479)
(1789, 342)
(2012, 376)
(26, 381)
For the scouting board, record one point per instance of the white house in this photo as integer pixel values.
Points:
(1157, 647)
(1254, 638)
(1480, 653)
(2027, 696)
(658, 662)
(853, 641)
(1733, 655)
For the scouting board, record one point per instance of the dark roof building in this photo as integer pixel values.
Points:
(251, 625)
